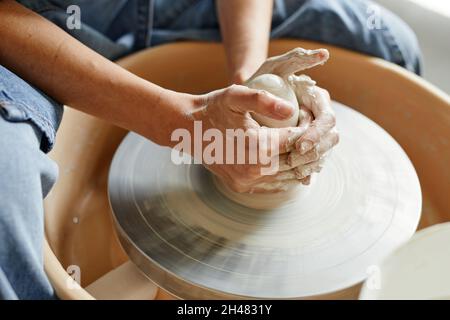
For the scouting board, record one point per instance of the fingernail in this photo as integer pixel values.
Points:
(305, 146)
(324, 54)
(306, 181)
(283, 109)
(291, 158)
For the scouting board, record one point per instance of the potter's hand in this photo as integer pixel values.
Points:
(231, 108)
(289, 174)
(296, 168)
(321, 135)
(292, 62)
(314, 98)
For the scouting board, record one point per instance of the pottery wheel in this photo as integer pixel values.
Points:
(195, 243)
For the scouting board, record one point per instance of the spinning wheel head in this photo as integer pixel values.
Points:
(196, 243)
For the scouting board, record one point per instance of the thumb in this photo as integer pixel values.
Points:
(243, 99)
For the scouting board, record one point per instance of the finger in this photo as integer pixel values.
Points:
(295, 158)
(289, 136)
(305, 116)
(242, 99)
(324, 120)
(289, 142)
(299, 173)
(283, 140)
(284, 162)
(285, 175)
(293, 61)
(272, 142)
(306, 181)
(308, 169)
(303, 87)
(273, 187)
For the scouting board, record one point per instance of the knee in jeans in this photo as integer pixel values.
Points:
(397, 40)
(405, 41)
(24, 168)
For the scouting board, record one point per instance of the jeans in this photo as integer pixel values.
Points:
(29, 118)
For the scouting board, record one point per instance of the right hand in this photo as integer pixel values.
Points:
(321, 134)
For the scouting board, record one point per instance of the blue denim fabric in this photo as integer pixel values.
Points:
(29, 118)
(26, 175)
(343, 23)
(20, 101)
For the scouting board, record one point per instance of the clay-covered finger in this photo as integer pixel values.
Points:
(287, 137)
(308, 169)
(276, 141)
(293, 61)
(283, 180)
(305, 122)
(285, 175)
(306, 117)
(278, 149)
(284, 162)
(276, 186)
(299, 173)
(317, 100)
(276, 170)
(324, 120)
(306, 181)
(296, 158)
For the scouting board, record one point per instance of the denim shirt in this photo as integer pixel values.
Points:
(104, 22)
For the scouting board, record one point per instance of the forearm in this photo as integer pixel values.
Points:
(75, 75)
(245, 27)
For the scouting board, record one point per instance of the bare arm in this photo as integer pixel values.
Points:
(75, 75)
(245, 27)
(64, 68)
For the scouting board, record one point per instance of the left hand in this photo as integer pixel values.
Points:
(320, 135)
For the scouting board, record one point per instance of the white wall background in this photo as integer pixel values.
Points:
(430, 19)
